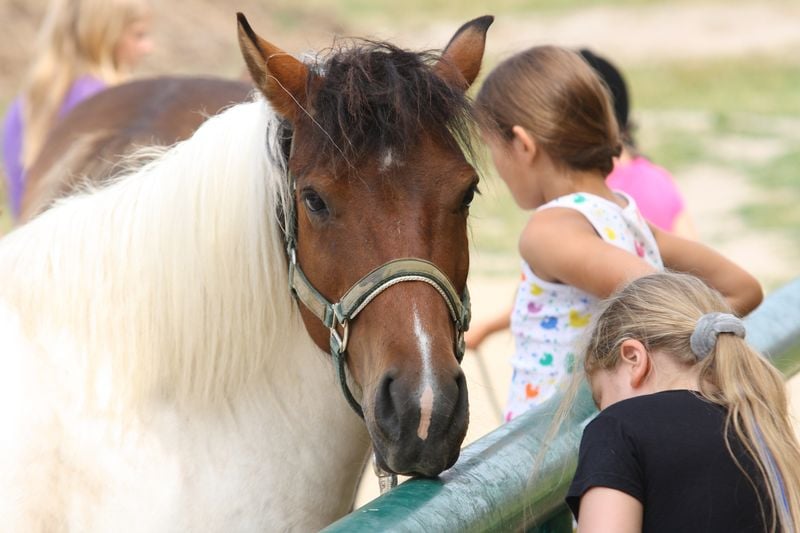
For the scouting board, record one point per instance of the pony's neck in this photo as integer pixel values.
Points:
(324, 442)
(174, 276)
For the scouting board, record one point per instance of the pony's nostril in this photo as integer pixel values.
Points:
(386, 408)
(461, 409)
(461, 382)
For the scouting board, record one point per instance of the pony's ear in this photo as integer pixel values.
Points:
(461, 59)
(281, 77)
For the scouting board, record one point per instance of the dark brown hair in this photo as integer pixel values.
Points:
(561, 103)
(369, 97)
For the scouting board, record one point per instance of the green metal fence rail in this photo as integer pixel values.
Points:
(491, 486)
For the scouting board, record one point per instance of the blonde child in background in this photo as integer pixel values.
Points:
(694, 431)
(548, 122)
(84, 46)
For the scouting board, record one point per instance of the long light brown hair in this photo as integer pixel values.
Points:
(661, 311)
(77, 37)
(559, 100)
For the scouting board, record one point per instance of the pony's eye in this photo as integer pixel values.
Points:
(313, 202)
(470, 195)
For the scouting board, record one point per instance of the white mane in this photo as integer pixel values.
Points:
(171, 281)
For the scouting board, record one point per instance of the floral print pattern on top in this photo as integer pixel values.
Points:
(549, 318)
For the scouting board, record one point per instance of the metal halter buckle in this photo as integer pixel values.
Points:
(341, 341)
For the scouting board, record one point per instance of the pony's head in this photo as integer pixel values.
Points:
(377, 159)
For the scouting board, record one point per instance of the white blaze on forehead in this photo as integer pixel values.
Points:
(426, 388)
(387, 160)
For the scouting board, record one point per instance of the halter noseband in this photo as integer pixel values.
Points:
(339, 314)
(358, 296)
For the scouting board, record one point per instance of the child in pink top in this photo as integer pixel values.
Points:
(652, 187)
(658, 198)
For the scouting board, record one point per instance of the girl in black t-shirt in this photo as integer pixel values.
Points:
(694, 431)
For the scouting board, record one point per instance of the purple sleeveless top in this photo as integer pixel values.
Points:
(13, 128)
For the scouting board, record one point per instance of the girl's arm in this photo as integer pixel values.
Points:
(605, 510)
(684, 226)
(477, 333)
(742, 290)
(560, 245)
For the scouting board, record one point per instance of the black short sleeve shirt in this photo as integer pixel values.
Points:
(667, 450)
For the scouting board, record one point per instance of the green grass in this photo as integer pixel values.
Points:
(742, 98)
(780, 215)
(495, 226)
(675, 149)
(782, 172)
(754, 84)
(782, 178)
(495, 219)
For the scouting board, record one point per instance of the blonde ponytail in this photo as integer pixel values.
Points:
(753, 391)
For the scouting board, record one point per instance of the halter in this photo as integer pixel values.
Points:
(359, 295)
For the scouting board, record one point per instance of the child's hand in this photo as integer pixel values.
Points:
(475, 336)
(477, 333)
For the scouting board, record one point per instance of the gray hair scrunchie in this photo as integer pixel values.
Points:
(708, 327)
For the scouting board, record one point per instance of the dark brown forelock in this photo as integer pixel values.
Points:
(373, 96)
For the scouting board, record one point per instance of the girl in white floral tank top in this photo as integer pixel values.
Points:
(548, 122)
(548, 318)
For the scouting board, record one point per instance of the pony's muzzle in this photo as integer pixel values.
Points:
(420, 427)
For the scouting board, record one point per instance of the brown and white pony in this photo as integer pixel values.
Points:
(156, 374)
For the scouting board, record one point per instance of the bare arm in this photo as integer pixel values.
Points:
(560, 245)
(477, 333)
(742, 290)
(684, 226)
(605, 510)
